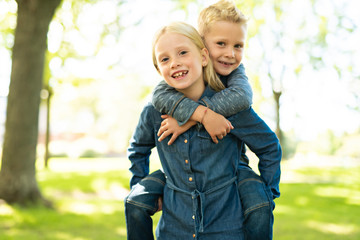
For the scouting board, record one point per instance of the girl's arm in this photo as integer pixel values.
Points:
(141, 143)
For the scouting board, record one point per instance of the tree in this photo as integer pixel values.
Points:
(18, 174)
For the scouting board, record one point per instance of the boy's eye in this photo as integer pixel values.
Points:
(239, 46)
(221, 44)
(183, 52)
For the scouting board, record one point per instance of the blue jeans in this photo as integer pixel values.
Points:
(256, 201)
(141, 204)
(258, 205)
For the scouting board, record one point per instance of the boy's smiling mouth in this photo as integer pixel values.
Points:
(179, 74)
(225, 63)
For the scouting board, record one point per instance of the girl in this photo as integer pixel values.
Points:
(201, 200)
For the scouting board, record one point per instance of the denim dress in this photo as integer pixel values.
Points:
(200, 199)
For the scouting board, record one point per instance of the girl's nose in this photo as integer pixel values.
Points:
(175, 64)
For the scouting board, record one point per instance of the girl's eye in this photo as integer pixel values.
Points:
(183, 52)
(164, 59)
(221, 44)
(239, 46)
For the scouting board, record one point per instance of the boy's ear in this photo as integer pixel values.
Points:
(204, 56)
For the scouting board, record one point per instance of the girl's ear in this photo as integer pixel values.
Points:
(204, 57)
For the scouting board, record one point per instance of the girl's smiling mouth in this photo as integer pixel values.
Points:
(179, 74)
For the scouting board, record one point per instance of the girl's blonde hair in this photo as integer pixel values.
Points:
(223, 10)
(210, 76)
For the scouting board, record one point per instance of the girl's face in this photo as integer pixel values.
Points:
(180, 62)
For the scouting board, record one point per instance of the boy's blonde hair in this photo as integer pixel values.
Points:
(223, 10)
(210, 76)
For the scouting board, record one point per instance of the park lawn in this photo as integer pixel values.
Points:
(89, 205)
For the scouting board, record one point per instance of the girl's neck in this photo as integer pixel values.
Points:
(195, 91)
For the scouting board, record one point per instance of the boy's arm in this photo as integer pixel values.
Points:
(173, 103)
(236, 97)
(251, 129)
(167, 100)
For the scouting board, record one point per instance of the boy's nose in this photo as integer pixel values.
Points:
(230, 53)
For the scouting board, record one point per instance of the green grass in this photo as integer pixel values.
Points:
(88, 197)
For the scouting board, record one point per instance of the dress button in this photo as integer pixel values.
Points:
(194, 235)
(185, 141)
(190, 179)
(193, 217)
(186, 161)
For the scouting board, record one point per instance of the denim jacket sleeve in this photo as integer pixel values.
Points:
(236, 97)
(256, 134)
(167, 100)
(141, 143)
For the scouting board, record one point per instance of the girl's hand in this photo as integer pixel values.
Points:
(170, 126)
(216, 125)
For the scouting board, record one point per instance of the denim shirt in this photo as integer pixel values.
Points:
(236, 97)
(200, 194)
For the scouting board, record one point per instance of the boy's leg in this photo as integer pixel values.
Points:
(257, 203)
(141, 204)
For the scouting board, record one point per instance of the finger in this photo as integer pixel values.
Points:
(214, 139)
(164, 122)
(220, 137)
(172, 139)
(229, 127)
(161, 130)
(163, 136)
(164, 116)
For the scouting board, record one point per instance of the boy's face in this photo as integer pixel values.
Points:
(225, 42)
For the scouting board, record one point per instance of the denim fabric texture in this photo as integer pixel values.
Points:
(141, 204)
(201, 197)
(255, 198)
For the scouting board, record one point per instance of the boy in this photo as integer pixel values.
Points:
(223, 28)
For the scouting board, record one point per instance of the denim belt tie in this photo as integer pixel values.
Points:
(201, 195)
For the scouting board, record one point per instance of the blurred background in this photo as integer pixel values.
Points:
(302, 55)
(302, 59)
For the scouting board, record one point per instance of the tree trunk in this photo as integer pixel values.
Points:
(18, 174)
(47, 134)
(278, 131)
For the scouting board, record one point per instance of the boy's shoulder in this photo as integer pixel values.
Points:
(239, 70)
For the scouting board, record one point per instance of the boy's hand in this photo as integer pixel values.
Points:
(216, 125)
(160, 201)
(170, 126)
